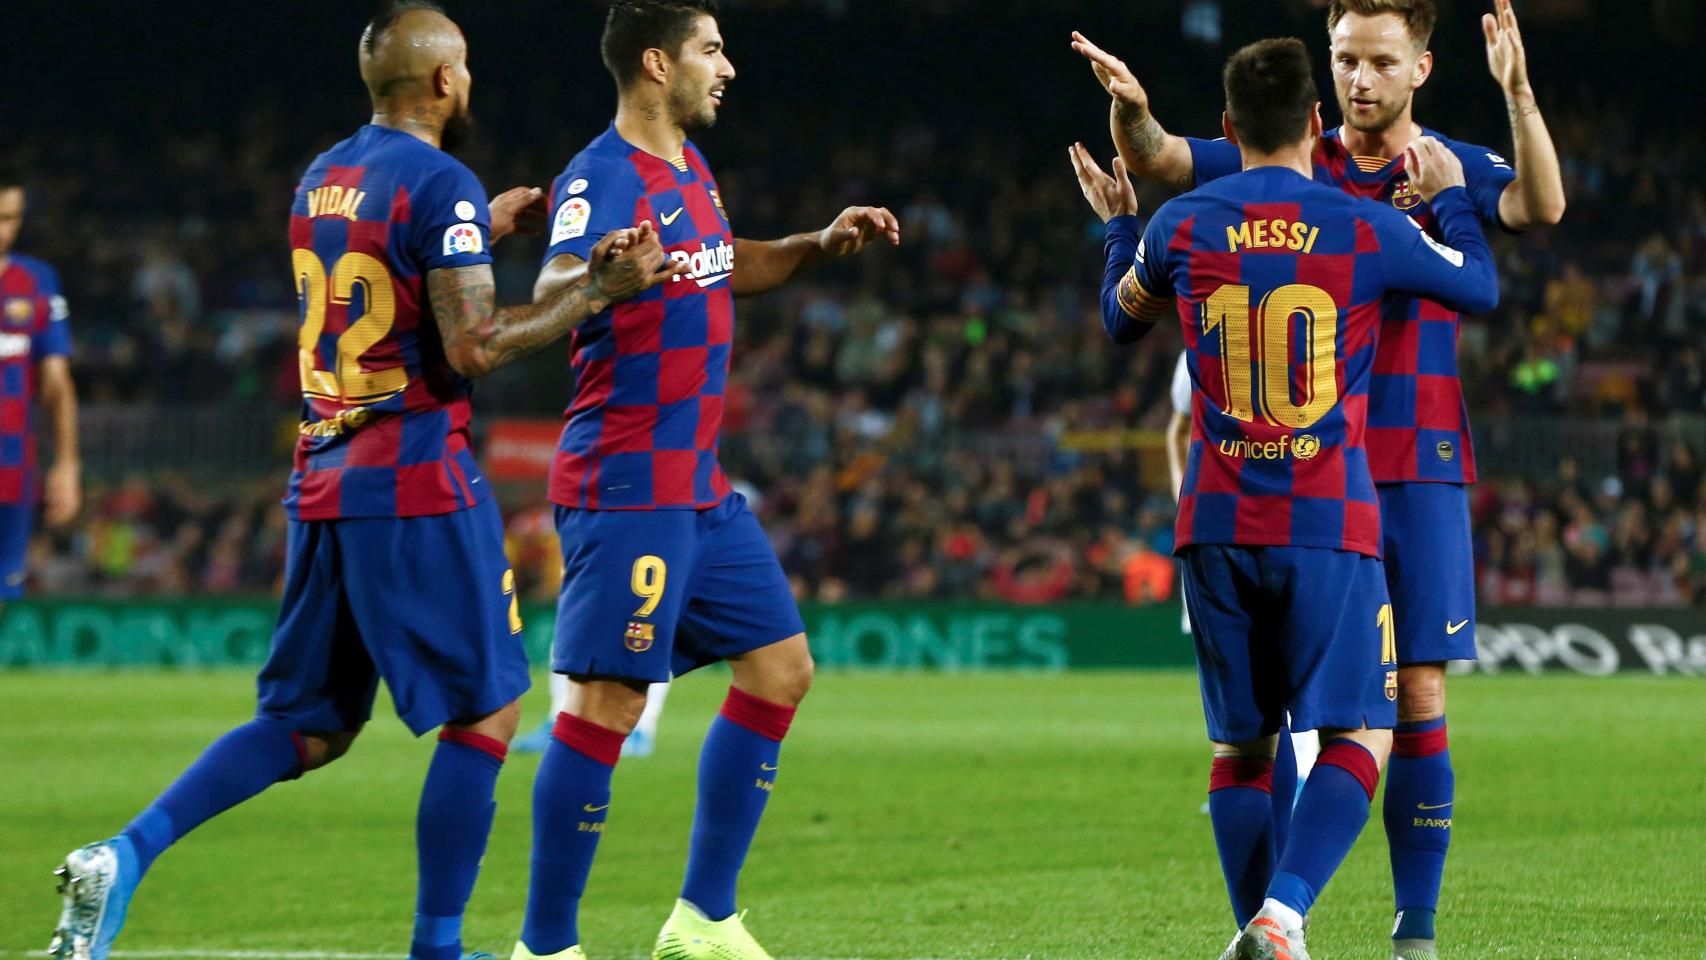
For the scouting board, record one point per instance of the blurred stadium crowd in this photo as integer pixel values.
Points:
(943, 420)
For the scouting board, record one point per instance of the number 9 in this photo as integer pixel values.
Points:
(647, 583)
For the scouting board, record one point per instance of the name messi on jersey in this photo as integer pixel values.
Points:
(706, 265)
(1276, 234)
(335, 202)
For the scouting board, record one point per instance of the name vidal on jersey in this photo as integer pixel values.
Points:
(335, 202)
(708, 264)
(1276, 234)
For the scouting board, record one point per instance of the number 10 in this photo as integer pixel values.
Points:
(1229, 309)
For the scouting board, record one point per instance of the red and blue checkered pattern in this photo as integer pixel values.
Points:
(411, 208)
(1418, 422)
(650, 374)
(34, 325)
(1252, 478)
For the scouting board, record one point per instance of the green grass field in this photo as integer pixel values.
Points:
(916, 816)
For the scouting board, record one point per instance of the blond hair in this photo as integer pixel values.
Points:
(1418, 15)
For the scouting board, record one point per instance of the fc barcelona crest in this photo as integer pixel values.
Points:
(19, 311)
(638, 637)
(1392, 685)
(1404, 195)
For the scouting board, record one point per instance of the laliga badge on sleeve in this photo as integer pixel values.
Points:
(571, 220)
(463, 238)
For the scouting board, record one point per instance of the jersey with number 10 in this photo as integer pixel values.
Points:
(384, 416)
(1278, 282)
(1418, 423)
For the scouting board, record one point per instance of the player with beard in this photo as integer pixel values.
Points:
(1418, 437)
(395, 565)
(665, 568)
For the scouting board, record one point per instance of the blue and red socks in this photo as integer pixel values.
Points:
(1420, 790)
(1325, 825)
(234, 768)
(1241, 805)
(571, 797)
(451, 829)
(737, 771)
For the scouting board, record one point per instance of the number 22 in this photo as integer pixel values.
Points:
(350, 382)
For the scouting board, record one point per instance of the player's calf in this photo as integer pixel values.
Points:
(1420, 798)
(1241, 807)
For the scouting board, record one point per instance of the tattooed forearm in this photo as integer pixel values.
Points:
(1142, 132)
(479, 338)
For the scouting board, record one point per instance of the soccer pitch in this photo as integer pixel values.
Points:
(955, 816)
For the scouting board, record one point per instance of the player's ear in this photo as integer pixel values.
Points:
(654, 65)
(442, 80)
(1424, 69)
(1226, 130)
(1316, 125)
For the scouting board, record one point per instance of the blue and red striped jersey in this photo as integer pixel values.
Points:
(1418, 423)
(34, 324)
(384, 416)
(641, 432)
(1278, 283)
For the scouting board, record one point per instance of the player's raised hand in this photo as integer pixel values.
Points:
(518, 210)
(1505, 56)
(628, 261)
(1432, 167)
(1112, 73)
(856, 227)
(1109, 196)
(63, 494)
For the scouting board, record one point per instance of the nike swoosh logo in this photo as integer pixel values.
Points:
(708, 281)
(670, 218)
(589, 808)
(1451, 629)
(1436, 806)
(766, 766)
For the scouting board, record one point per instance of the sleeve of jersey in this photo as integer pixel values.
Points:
(1135, 291)
(450, 221)
(55, 339)
(1458, 273)
(1487, 175)
(588, 201)
(1213, 159)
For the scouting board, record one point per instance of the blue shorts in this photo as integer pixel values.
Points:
(427, 603)
(650, 594)
(16, 522)
(1430, 569)
(1296, 629)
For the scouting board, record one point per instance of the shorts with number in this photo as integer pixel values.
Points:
(427, 603)
(1430, 569)
(1298, 629)
(16, 522)
(650, 594)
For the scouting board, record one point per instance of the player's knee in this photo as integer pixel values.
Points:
(499, 725)
(319, 749)
(614, 704)
(1378, 742)
(1261, 748)
(790, 679)
(1421, 692)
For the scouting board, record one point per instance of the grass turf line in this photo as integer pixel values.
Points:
(940, 816)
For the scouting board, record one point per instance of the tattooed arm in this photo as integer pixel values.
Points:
(1148, 150)
(1536, 197)
(479, 338)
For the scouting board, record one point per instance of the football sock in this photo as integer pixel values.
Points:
(737, 770)
(1331, 813)
(1419, 797)
(1243, 808)
(451, 829)
(571, 797)
(237, 766)
(1284, 789)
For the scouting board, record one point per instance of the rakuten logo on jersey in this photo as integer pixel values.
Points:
(707, 265)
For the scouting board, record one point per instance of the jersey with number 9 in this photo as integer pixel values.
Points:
(1278, 283)
(385, 419)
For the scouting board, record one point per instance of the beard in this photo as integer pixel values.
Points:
(691, 110)
(1384, 117)
(458, 130)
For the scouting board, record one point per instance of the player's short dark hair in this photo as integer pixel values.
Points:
(1418, 15)
(387, 14)
(1270, 93)
(635, 26)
